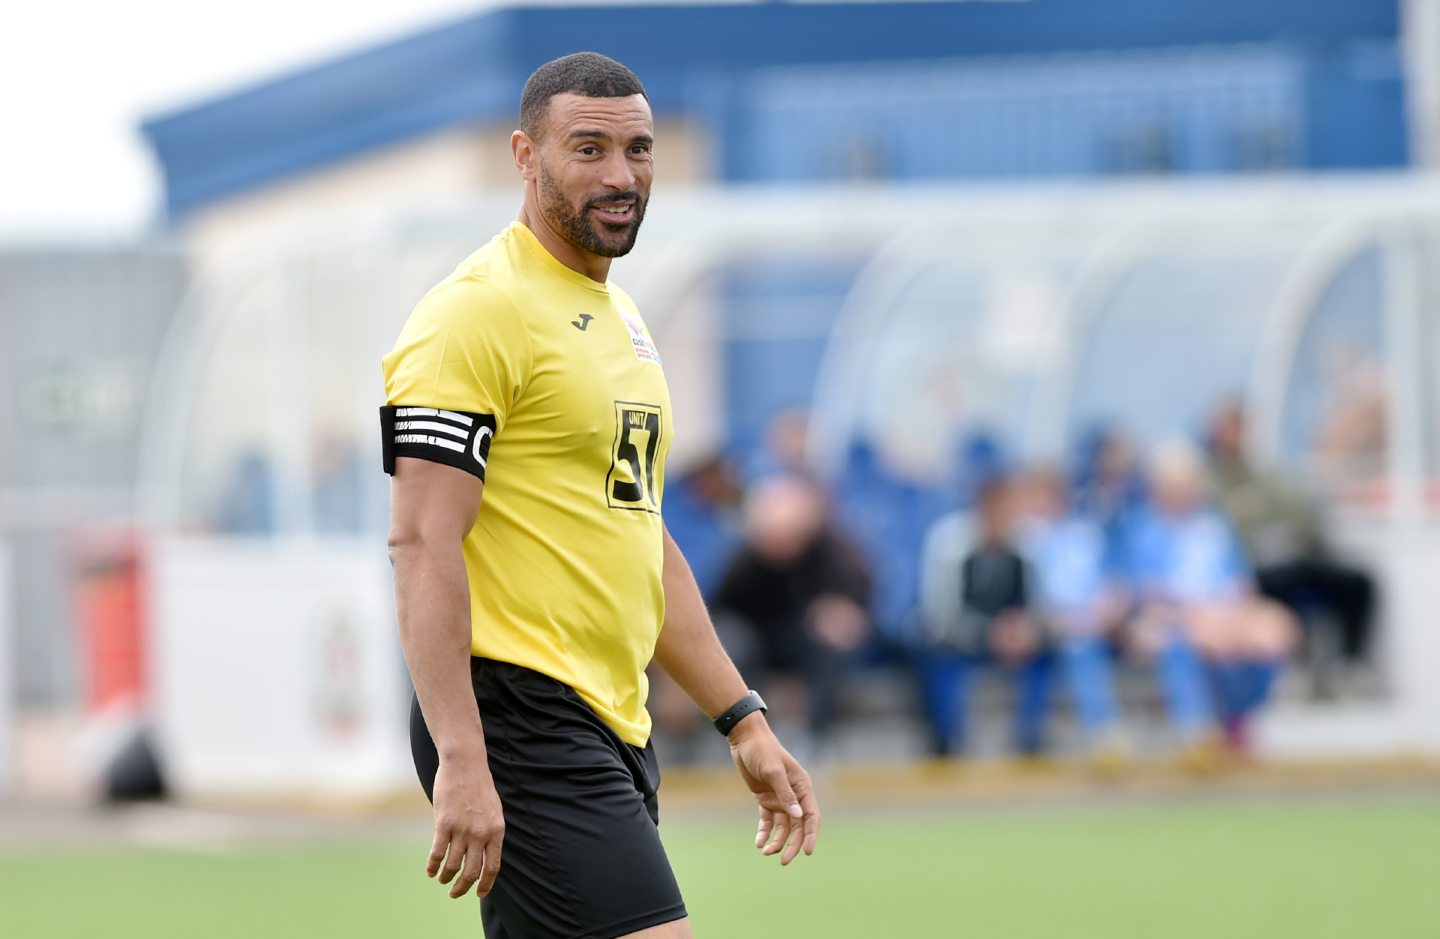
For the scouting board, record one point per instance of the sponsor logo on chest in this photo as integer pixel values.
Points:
(645, 350)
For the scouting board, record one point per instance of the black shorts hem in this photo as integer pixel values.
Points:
(636, 923)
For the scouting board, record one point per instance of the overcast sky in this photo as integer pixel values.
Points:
(77, 77)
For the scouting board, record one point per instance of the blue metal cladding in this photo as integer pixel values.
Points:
(1207, 110)
(1355, 111)
(701, 60)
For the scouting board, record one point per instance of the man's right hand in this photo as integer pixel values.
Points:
(469, 827)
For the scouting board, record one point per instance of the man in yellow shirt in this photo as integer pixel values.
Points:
(528, 621)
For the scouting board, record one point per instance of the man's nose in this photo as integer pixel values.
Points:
(617, 172)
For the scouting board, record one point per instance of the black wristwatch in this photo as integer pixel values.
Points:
(750, 703)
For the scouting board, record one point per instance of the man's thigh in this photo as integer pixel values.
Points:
(679, 929)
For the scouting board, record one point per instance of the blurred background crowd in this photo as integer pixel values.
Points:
(1189, 572)
(1057, 379)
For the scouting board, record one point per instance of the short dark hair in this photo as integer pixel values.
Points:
(588, 74)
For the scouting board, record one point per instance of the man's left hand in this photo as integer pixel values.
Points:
(789, 811)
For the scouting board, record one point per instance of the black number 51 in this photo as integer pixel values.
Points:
(630, 484)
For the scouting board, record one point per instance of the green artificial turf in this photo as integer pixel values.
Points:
(1308, 870)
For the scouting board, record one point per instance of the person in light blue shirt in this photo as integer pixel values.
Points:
(1218, 644)
(1080, 601)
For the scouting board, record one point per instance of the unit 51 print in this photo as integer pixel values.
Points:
(631, 482)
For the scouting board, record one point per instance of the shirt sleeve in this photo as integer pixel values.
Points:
(464, 348)
(456, 374)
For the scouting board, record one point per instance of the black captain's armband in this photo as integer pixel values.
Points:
(454, 438)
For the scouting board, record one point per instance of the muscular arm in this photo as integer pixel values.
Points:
(691, 653)
(433, 507)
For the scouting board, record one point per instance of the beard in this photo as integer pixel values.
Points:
(607, 240)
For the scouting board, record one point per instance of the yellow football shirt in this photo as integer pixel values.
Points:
(558, 377)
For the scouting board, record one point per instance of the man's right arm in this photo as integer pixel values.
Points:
(433, 507)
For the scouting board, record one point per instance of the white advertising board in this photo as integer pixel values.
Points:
(276, 669)
(1405, 718)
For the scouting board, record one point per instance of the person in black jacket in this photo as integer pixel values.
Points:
(1286, 541)
(978, 613)
(795, 597)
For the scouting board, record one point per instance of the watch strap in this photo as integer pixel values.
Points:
(747, 705)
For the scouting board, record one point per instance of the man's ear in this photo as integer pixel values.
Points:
(526, 154)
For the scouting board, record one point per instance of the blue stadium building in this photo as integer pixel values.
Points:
(901, 91)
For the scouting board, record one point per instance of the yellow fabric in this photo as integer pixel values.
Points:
(565, 558)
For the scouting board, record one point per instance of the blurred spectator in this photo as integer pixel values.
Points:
(1351, 440)
(889, 516)
(1109, 488)
(876, 506)
(701, 514)
(338, 491)
(978, 613)
(249, 504)
(980, 458)
(1285, 541)
(1080, 602)
(1198, 602)
(783, 450)
(798, 590)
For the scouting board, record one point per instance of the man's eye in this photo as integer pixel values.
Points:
(589, 151)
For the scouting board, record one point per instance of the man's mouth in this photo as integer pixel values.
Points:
(614, 212)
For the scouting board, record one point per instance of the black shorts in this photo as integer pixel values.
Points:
(582, 857)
